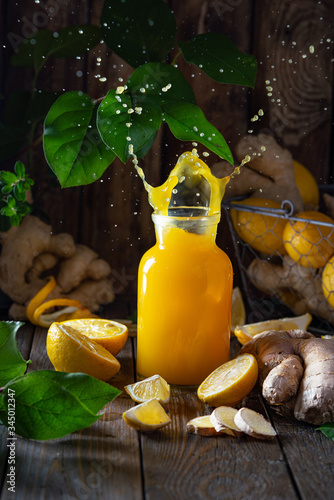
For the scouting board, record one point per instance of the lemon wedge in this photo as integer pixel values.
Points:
(147, 417)
(149, 388)
(238, 317)
(247, 332)
(229, 383)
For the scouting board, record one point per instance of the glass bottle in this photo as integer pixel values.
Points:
(184, 299)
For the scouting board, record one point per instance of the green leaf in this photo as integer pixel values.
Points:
(11, 202)
(188, 123)
(72, 145)
(112, 119)
(138, 32)
(19, 169)
(19, 192)
(15, 220)
(155, 79)
(33, 51)
(220, 59)
(8, 177)
(73, 41)
(328, 430)
(50, 405)
(11, 362)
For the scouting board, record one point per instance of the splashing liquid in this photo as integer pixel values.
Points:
(184, 280)
(190, 183)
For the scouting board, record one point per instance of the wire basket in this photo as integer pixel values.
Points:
(275, 284)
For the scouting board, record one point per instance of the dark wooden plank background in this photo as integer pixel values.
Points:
(293, 43)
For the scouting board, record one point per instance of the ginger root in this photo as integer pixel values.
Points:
(296, 369)
(30, 252)
(300, 288)
(268, 174)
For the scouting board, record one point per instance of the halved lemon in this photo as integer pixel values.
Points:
(71, 351)
(149, 388)
(147, 417)
(238, 309)
(109, 334)
(230, 383)
(248, 332)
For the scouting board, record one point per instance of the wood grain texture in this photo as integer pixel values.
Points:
(102, 461)
(294, 48)
(183, 466)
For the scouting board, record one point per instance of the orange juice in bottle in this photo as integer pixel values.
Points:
(184, 280)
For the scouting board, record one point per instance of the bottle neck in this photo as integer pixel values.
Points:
(204, 227)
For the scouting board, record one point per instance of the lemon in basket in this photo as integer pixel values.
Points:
(263, 233)
(308, 243)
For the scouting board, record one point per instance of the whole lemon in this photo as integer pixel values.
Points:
(263, 233)
(308, 243)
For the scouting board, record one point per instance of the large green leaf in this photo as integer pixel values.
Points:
(188, 123)
(50, 405)
(121, 122)
(161, 81)
(70, 41)
(72, 144)
(219, 58)
(138, 31)
(11, 362)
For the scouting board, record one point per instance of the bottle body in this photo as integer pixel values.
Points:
(184, 302)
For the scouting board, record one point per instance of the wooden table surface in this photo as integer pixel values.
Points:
(111, 461)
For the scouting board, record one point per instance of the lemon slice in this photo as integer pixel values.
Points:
(247, 332)
(147, 417)
(71, 351)
(238, 309)
(152, 387)
(109, 334)
(230, 383)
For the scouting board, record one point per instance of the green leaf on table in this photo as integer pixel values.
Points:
(188, 123)
(50, 405)
(161, 81)
(72, 145)
(138, 32)
(122, 121)
(71, 41)
(328, 430)
(12, 363)
(219, 58)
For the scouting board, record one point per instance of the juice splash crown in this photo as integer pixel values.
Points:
(190, 183)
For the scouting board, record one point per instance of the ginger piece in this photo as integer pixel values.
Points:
(268, 174)
(299, 287)
(83, 264)
(31, 251)
(20, 246)
(203, 426)
(223, 418)
(254, 424)
(309, 392)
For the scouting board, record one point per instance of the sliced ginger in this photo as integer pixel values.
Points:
(254, 424)
(222, 418)
(203, 426)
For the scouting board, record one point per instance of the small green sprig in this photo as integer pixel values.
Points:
(13, 204)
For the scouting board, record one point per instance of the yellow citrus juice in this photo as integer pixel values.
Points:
(184, 307)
